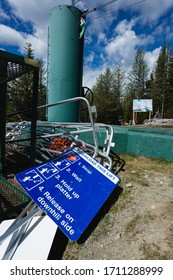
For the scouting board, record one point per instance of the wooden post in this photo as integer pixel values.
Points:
(134, 118)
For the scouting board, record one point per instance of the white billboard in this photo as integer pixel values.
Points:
(142, 105)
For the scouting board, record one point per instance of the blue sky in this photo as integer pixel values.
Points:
(108, 39)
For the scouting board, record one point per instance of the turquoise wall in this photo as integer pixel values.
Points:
(147, 142)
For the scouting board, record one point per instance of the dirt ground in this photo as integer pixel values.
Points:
(139, 223)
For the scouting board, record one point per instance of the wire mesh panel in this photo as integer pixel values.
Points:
(12, 200)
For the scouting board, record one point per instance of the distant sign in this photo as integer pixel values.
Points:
(70, 189)
(142, 105)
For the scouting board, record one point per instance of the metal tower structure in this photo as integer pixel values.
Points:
(65, 62)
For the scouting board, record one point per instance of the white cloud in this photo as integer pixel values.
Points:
(91, 75)
(123, 44)
(39, 46)
(164, 30)
(89, 58)
(9, 36)
(152, 10)
(151, 58)
(3, 15)
(36, 12)
(102, 38)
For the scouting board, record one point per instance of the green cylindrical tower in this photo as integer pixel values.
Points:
(65, 62)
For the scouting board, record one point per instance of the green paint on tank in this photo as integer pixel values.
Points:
(65, 63)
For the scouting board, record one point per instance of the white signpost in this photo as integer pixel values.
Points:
(142, 105)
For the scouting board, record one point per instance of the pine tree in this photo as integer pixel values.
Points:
(159, 91)
(106, 98)
(136, 86)
(139, 75)
(161, 85)
(169, 96)
(118, 80)
(119, 87)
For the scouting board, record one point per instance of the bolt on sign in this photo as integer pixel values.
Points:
(70, 189)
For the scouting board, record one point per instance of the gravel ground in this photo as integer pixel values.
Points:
(139, 223)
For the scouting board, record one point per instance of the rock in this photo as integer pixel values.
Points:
(129, 185)
(115, 236)
(111, 219)
(118, 236)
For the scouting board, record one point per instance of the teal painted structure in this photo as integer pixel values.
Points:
(148, 142)
(65, 63)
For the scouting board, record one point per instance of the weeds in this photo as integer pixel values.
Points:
(171, 184)
(152, 251)
(131, 226)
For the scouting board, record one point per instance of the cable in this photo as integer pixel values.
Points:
(100, 7)
(76, 2)
(133, 4)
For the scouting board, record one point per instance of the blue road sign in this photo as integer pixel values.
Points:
(70, 189)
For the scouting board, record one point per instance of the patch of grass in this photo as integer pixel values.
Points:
(144, 182)
(170, 240)
(137, 177)
(71, 243)
(123, 201)
(131, 225)
(148, 217)
(138, 163)
(171, 184)
(124, 194)
(152, 251)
